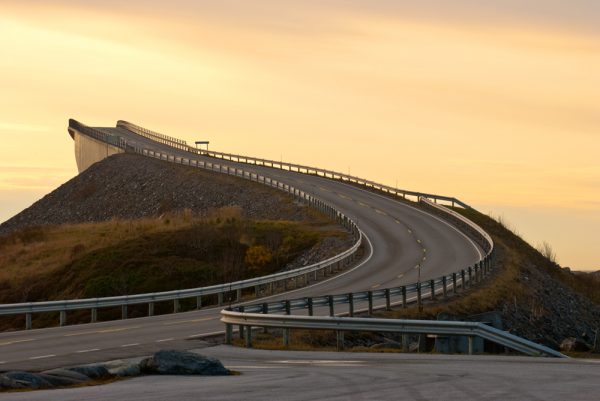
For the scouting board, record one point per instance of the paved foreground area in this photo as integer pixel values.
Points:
(279, 375)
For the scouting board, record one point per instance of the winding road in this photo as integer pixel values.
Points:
(400, 237)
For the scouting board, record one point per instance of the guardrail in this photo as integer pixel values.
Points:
(306, 170)
(155, 136)
(282, 279)
(341, 324)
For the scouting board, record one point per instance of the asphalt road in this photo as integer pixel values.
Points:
(277, 375)
(400, 235)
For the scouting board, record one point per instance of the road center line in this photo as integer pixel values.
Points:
(129, 345)
(164, 340)
(83, 351)
(17, 341)
(83, 333)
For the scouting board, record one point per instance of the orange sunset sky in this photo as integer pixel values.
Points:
(494, 102)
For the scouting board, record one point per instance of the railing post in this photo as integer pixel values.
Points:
(94, 317)
(238, 295)
(404, 296)
(199, 302)
(123, 312)
(228, 333)
(256, 291)
(340, 340)
(432, 289)
(419, 295)
(309, 302)
(176, 306)
(462, 279)
(150, 308)
(470, 276)
(388, 300)
(370, 299)
(454, 283)
(470, 341)
(331, 307)
(444, 287)
(288, 308)
(350, 304)
(62, 318)
(249, 337)
(286, 338)
(28, 321)
(220, 299)
(405, 343)
(241, 326)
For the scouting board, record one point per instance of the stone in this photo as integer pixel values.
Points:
(125, 369)
(29, 380)
(94, 371)
(6, 383)
(169, 362)
(59, 381)
(70, 374)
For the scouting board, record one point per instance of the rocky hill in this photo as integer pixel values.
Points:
(130, 186)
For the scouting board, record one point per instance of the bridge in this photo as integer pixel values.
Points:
(400, 241)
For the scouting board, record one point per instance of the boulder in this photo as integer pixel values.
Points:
(168, 362)
(124, 369)
(571, 344)
(94, 371)
(29, 380)
(59, 381)
(7, 383)
(69, 374)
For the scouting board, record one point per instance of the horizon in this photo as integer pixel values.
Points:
(497, 105)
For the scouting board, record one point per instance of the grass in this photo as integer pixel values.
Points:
(175, 251)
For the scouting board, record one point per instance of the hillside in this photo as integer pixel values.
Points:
(129, 186)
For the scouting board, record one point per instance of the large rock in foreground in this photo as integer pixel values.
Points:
(169, 362)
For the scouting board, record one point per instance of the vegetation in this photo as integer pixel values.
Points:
(174, 251)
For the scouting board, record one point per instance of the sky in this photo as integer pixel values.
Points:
(494, 102)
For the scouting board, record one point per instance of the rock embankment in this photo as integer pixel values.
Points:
(165, 362)
(131, 186)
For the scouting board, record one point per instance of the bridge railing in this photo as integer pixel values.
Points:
(299, 168)
(155, 136)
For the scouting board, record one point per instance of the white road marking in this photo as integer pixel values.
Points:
(83, 351)
(102, 331)
(164, 340)
(2, 362)
(398, 222)
(17, 341)
(42, 357)
(130, 345)
(363, 204)
(381, 212)
(190, 321)
(400, 275)
(344, 196)
(376, 285)
(254, 367)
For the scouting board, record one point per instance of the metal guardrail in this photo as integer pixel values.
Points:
(305, 170)
(341, 324)
(155, 136)
(300, 274)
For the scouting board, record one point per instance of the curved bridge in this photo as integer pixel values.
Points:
(403, 241)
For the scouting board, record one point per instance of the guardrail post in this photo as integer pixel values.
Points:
(228, 333)
(370, 298)
(404, 296)
(331, 307)
(388, 300)
(454, 283)
(309, 302)
(256, 291)
(288, 308)
(220, 299)
(199, 302)
(444, 287)
(265, 310)
(470, 341)
(286, 338)
(176, 306)
(62, 318)
(432, 289)
(241, 326)
(405, 343)
(249, 337)
(238, 295)
(462, 279)
(340, 340)
(350, 304)
(470, 276)
(123, 312)
(28, 321)
(419, 295)
(150, 308)
(94, 317)
(316, 275)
